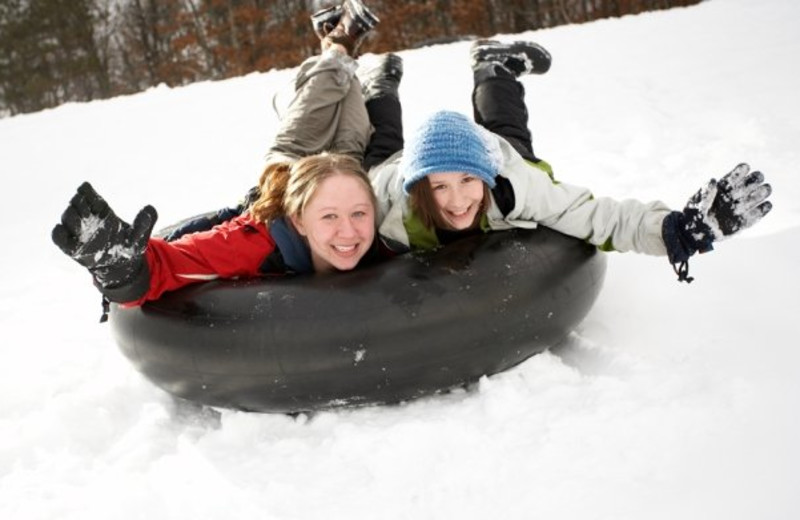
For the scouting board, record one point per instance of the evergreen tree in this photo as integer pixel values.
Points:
(48, 54)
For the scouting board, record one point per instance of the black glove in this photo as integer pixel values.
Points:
(719, 210)
(92, 234)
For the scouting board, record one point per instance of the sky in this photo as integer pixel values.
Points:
(669, 400)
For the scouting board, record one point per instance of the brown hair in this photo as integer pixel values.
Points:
(287, 188)
(424, 206)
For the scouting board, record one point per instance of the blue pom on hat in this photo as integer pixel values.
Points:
(450, 142)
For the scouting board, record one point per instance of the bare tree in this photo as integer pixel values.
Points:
(52, 51)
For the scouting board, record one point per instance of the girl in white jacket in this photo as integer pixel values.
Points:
(456, 177)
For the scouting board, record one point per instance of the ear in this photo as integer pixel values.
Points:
(298, 224)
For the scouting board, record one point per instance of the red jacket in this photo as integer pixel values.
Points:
(240, 247)
(236, 248)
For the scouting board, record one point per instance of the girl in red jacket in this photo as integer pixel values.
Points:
(316, 215)
(312, 214)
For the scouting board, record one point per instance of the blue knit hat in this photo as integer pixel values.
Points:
(450, 142)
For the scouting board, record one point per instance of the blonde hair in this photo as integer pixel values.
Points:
(286, 188)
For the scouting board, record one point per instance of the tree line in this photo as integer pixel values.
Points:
(55, 51)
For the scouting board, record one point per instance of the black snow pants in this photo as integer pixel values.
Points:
(386, 117)
(498, 105)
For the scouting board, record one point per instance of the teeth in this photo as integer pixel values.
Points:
(344, 249)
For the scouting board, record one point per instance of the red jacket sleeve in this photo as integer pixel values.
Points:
(235, 248)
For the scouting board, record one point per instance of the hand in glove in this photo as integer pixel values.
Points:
(720, 209)
(92, 234)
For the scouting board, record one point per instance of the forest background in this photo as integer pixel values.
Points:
(57, 51)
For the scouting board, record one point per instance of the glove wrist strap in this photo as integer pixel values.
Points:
(680, 247)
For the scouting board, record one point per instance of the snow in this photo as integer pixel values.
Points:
(89, 227)
(668, 401)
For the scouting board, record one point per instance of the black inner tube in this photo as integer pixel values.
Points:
(410, 327)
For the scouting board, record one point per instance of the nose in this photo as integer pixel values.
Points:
(346, 228)
(457, 198)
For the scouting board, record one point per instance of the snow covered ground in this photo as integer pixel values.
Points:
(669, 401)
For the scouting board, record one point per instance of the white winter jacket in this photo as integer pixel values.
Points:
(626, 225)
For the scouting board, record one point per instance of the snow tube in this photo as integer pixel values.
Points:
(409, 327)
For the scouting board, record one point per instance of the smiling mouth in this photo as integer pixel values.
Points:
(345, 249)
(460, 214)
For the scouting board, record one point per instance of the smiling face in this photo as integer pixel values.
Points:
(338, 222)
(458, 197)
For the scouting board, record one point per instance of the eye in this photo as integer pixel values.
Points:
(468, 179)
(359, 214)
(439, 187)
(329, 216)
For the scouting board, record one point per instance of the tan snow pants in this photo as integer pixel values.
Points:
(326, 112)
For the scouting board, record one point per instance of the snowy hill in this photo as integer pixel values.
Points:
(668, 401)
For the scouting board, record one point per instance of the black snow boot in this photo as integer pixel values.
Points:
(518, 58)
(382, 78)
(354, 25)
(325, 20)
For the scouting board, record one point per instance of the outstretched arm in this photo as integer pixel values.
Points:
(130, 267)
(719, 210)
